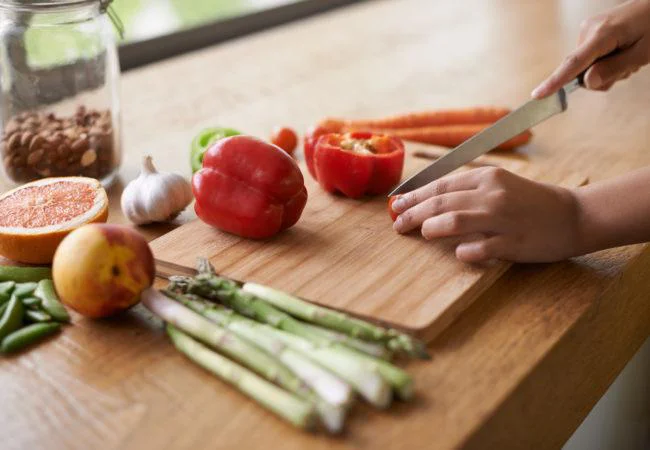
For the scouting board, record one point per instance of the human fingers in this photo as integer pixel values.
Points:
(601, 41)
(438, 204)
(609, 70)
(494, 247)
(459, 223)
(461, 181)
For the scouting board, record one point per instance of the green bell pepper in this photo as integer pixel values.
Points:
(202, 142)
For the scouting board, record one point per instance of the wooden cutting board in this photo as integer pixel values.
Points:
(344, 254)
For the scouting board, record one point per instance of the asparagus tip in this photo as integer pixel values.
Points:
(409, 345)
(420, 351)
(203, 265)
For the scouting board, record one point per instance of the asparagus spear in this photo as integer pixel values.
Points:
(337, 320)
(325, 336)
(371, 348)
(329, 387)
(221, 339)
(228, 292)
(328, 318)
(241, 350)
(364, 377)
(317, 314)
(398, 378)
(285, 405)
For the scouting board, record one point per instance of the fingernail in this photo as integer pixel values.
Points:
(398, 224)
(399, 204)
(537, 91)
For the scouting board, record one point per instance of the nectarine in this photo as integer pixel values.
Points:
(100, 270)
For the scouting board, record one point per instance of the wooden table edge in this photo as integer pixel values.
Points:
(587, 359)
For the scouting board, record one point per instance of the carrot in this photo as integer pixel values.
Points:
(429, 118)
(450, 135)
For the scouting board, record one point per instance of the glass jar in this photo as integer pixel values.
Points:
(59, 100)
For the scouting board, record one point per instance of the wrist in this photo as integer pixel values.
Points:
(587, 230)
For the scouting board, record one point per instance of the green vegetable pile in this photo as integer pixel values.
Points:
(30, 310)
(301, 361)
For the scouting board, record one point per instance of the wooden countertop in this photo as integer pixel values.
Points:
(520, 369)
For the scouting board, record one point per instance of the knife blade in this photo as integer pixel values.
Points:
(515, 123)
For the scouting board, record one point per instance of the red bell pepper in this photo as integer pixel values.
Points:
(311, 138)
(357, 163)
(249, 188)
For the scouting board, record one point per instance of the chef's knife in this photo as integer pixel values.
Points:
(515, 123)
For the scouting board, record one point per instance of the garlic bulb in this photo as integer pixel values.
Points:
(155, 196)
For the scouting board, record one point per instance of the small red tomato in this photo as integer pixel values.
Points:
(285, 138)
(393, 214)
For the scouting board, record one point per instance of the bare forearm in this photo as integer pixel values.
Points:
(614, 212)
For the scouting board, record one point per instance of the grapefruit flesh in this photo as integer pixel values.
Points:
(37, 216)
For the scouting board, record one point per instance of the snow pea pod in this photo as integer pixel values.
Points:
(51, 304)
(24, 274)
(27, 336)
(6, 288)
(31, 302)
(37, 316)
(12, 318)
(23, 290)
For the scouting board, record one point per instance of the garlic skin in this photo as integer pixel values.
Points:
(155, 196)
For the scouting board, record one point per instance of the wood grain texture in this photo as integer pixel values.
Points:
(519, 368)
(614, 322)
(344, 254)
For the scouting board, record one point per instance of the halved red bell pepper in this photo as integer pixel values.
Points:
(311, 138)
(249, 188)
(358, 163)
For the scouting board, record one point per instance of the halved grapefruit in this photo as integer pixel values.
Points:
(35, 217)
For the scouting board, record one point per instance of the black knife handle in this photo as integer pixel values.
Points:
(581, 75)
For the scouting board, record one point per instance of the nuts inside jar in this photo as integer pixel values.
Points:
(36, 145)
